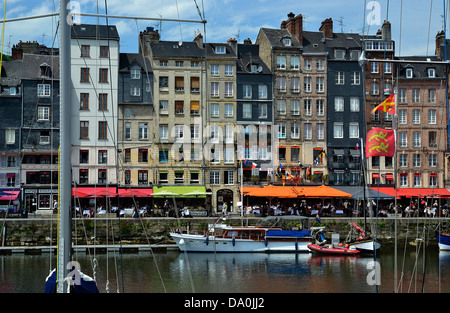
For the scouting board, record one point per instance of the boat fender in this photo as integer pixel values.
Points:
(265, 241)
(320, 239)
(207, 240)
(233, 241)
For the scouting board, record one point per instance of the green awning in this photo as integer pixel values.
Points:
(181, 191)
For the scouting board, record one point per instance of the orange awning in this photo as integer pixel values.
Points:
(272, 191)
(295, 192)
(323, 192)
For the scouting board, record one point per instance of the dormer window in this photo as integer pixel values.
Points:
(135, 73)
(431, 72)
(287, 41)
(339, 54)
(220, 50)
(409, 73)
(45, 70)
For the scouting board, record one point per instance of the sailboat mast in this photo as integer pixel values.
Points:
(65, 175)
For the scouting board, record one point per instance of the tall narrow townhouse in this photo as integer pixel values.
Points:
(136, 120)
(281, 50)
(422, 125)
(178, 67)
(220, 116)
(94, 97)
(345, 109)
(11, 92)
(314, 104)
(40, 131)
(254, 115)
(379, 79)
(442, 51)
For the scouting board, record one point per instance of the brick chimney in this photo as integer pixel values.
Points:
(386, 31)
(294, 24)
(199, 40)
(439, 42)
(147, 36)
(327, 28)
(233, 44)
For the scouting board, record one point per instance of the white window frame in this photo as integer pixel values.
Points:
(43, 113)
(338, 130)
(43, 90)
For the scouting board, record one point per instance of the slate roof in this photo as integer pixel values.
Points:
(275, 37)
(314, 42)
(31, 68)
(420, 70)
(128, 59)
(173, 49)
(210, 49)
(344, 40)
(11, 73)
(93, 31)
(249, 54)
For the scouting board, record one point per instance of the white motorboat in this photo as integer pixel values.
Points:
(224, 238)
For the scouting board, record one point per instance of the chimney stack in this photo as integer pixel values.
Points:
(386, 31)
(294, 25)
(232, 42)
(439, 42)
(199, 41)
(327, 28)
(145, 37)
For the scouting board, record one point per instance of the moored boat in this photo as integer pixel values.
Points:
(329, 249)
(443, 240)
(260, 238)
(364, 243)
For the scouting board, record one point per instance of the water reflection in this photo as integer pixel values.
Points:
(176, 272)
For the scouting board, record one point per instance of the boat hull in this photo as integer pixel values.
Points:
(366, 246)
(443, 242)
(332, 251)
(199, 243)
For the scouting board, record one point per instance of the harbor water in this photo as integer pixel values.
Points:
(176, 272)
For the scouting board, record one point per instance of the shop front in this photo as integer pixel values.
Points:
(39, 199)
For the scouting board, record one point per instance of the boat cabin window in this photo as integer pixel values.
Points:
(257, 234)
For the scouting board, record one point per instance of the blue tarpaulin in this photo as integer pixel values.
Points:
(288, 233)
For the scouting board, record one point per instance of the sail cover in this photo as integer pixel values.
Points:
(86, 285)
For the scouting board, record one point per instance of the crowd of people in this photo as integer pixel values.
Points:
(304, 207)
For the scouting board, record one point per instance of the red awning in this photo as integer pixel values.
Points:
(94, 192)
(389, 177)
(387, 190)
(11, 197)
(135, 192)
(375, 176)
(423, 192)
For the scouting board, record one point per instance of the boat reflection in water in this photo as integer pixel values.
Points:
(271, 272)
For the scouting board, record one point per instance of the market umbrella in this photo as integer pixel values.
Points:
(165, 193)
(197, 193)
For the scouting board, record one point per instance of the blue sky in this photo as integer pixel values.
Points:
(239, 19)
